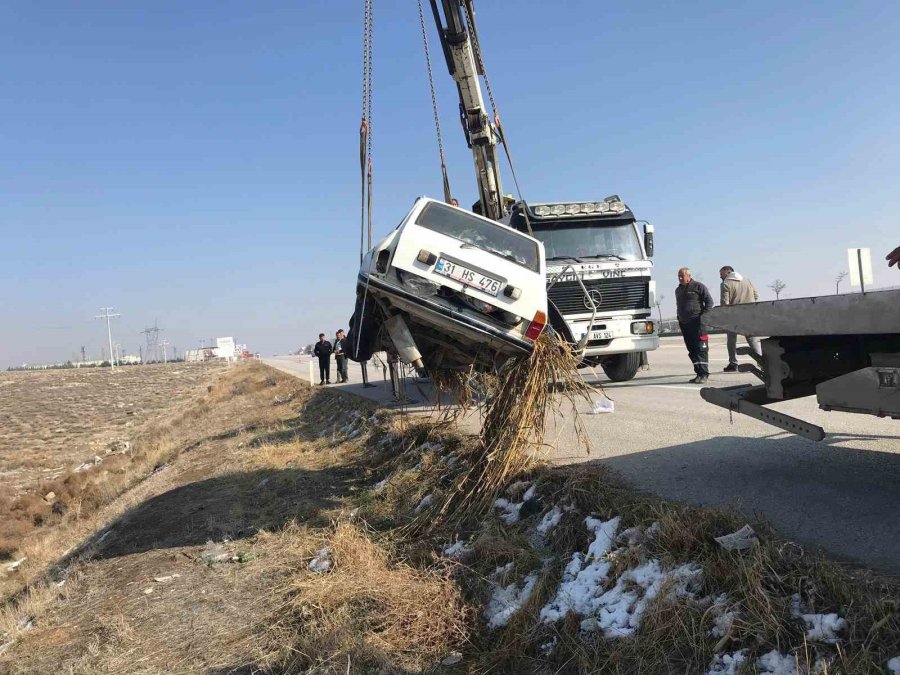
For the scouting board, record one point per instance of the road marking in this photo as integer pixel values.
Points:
(671, 386)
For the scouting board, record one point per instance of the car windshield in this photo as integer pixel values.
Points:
(589, 240)
(497, 239)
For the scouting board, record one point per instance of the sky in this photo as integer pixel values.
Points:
(197, 164)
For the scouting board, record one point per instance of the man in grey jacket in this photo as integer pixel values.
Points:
(736, 290)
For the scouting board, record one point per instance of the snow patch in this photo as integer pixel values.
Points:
(552, 518)
(507, 600)
(380, 485)
(585, 574)
(774, 663)
(823, 627)
(511, 510)
(728, 664)
(458, 551)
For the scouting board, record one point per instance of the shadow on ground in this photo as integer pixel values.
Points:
(234, 505)
(844, 500)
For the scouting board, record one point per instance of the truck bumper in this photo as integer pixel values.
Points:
(617, 337)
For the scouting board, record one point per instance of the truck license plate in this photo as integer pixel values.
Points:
(601, 335)
(468, 277)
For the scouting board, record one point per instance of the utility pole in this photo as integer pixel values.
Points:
(164, 344)
(107, 314)
(837, 282)
(83, 359)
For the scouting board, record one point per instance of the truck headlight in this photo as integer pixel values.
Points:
(641, 327)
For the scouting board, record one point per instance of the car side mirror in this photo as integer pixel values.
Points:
(648, 239)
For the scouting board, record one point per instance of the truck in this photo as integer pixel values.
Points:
(843, 349)
(599, 256)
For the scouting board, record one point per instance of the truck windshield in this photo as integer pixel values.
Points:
(497, 239)
(584, 240)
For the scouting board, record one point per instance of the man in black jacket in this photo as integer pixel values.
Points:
(340, 357)
(693, 299)
(323, 351)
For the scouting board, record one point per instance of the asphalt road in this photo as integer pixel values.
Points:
(842, 494)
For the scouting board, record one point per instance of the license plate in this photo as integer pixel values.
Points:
(601, 335)
(468, 277)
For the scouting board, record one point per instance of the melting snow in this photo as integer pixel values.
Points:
(506, 600)
(728, 664)
(511, 510)
(584, 575)
(458, 550)
(551, 519)
(823, 627)
(722, 617)
(380, 485)
(774, 663)
(618, 611)
(425, 503)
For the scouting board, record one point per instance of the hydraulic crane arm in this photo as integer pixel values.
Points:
(455, 33)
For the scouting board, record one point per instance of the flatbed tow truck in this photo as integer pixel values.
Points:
(844, 349)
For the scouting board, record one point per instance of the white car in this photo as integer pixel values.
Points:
(449, 289)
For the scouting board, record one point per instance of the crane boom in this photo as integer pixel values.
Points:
(482, 137)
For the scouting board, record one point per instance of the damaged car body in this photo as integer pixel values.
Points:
(449, 289)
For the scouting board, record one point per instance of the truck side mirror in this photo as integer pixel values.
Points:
(648, 239)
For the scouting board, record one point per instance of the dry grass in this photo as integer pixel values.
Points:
(371, 613)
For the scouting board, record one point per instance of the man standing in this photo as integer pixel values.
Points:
(323, 351)
(692, 300)
(339, 355)
(736, 290)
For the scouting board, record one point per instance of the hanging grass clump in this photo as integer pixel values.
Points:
(526, 392)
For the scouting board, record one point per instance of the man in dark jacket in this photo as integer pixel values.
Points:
(693, 299)
(339, 356)
(323, 351)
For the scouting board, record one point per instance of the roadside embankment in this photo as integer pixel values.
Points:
(296, 529)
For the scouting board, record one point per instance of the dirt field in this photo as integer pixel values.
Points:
(51, 421)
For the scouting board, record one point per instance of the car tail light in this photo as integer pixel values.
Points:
(536, 326)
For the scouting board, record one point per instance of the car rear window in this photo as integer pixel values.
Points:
(492, 237)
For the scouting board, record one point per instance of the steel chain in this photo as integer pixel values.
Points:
(434, 107)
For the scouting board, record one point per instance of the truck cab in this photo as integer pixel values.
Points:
(599, 278)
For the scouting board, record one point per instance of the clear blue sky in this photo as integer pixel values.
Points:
(198, 162)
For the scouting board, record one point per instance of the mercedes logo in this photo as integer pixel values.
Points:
(596, 296)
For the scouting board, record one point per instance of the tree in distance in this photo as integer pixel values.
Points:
(778, 285)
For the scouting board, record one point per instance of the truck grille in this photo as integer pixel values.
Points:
(623, 293)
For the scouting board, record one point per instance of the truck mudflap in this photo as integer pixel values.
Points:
(750, 400)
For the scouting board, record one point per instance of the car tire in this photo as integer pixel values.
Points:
(622, 367)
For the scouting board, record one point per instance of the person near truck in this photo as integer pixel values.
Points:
(340, 357)
(323, 350)
(736, 290)
(693, 300)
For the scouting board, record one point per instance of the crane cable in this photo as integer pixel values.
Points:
(473, 31)
(365, 134)
(365, 158)
(434, 108)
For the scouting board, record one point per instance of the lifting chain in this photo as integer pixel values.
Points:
(434, 108)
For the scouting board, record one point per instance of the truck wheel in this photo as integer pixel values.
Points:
(622, 367)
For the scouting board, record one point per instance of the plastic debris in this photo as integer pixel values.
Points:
(167, 578)
(602, 406)
(452, 659)
(14, 566)
(741, 540)
(322, 562)
(214, 553)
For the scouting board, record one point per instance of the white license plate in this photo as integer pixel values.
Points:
(601, 335)
(468, 277)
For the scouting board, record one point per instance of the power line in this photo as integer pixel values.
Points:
(107, 314)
